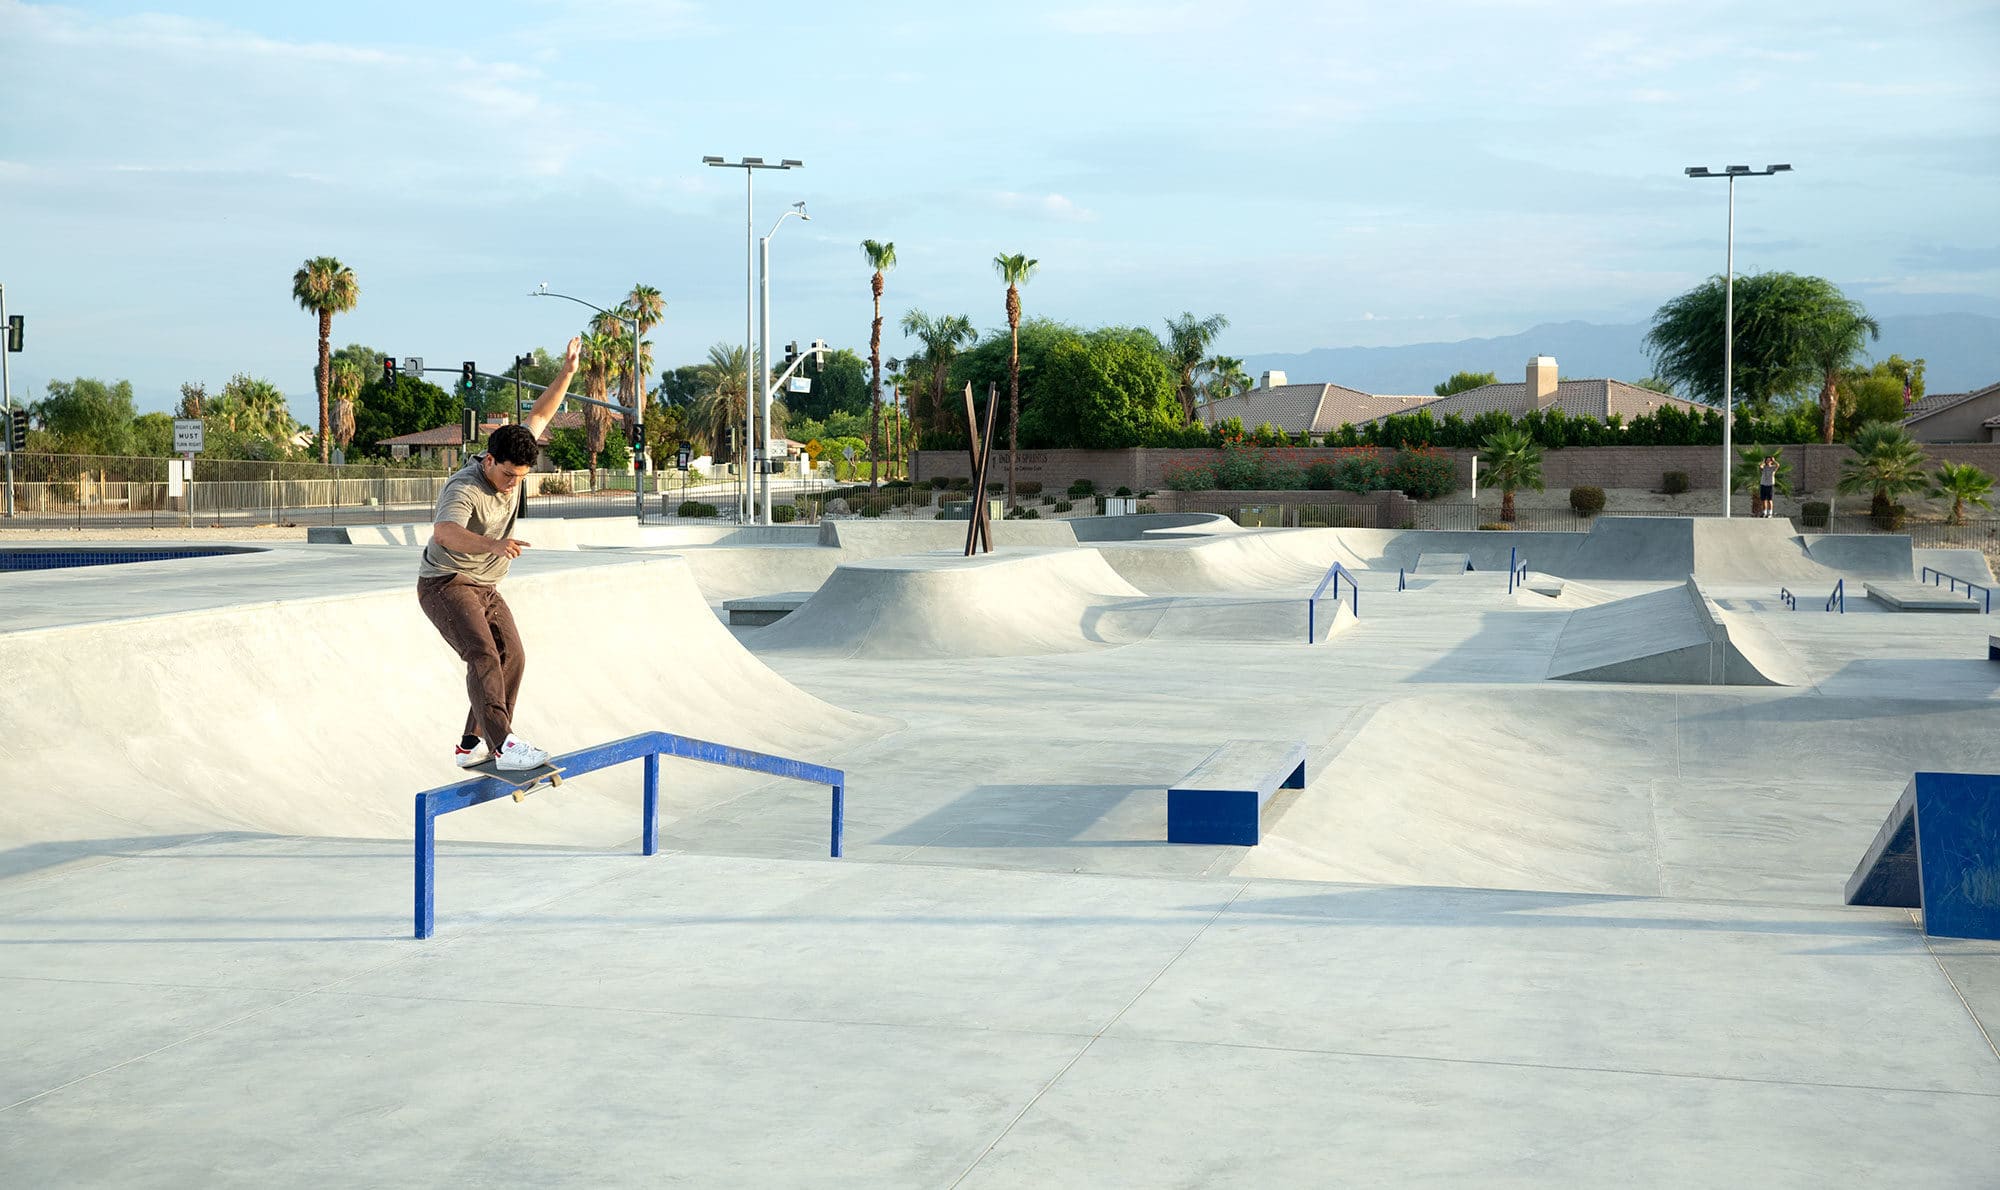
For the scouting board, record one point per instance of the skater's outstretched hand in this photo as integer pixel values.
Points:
(572, 354)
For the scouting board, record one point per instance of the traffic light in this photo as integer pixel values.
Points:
(388, 369)
(468, 379)
(791, 353)
(17, 430)
(468, 424)
(17, 325)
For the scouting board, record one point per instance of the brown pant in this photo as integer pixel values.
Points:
(475, 621)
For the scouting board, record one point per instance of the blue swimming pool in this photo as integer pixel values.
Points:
(65, 557)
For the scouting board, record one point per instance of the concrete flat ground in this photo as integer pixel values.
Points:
(1514, 932)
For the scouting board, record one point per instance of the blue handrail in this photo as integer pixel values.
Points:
(1401, 583)
(1934, 574)
(1788, 599)
(1839, 596)
(1517, 569)
(1332, 576)
(647, 746)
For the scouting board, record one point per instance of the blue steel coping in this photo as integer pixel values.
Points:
(648, 746)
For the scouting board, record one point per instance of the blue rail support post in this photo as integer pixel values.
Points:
(1839, 596)
(647, 747)
(1517, 569)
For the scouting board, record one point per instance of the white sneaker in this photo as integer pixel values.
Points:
(517, 754)
(467, 757)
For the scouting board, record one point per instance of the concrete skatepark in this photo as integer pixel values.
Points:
(1561, 902)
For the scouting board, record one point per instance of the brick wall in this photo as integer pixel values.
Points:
(1815, 468)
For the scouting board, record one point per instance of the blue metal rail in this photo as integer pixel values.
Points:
(1517, 569)
(1931, 574)
(1786, 597)
(647, 746)
(1312, 605)
(1839, 597)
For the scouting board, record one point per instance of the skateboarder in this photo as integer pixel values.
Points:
(471, 546)
(1767, 482)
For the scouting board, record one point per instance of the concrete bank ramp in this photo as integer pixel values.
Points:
(1243, 619)
(1441, 563)
(1864, 555)
(868, 537)
(1292, 560)
(929, 606)
(1676, 636)
(325, 716)
(1967, 564)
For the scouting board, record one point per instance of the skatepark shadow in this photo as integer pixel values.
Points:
(1041, 816)
(36, 857)
(1402, 907)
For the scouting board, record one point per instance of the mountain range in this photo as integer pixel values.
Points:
(1961, 352)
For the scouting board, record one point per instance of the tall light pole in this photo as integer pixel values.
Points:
(1732, 172)
(764, 352)
(638, 397)
(750, 166)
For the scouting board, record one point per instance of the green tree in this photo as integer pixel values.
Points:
(1875, 393)
(1829, 342)
(1015, 271)
(881, 258)
(1106, 390)
(720, 408)
(346, 394)
(1464, 382)
(1512, 461)
(406, 406)
(1223, 376)
(679, 387)
(1964, 484)
(1778, 315)
(1655, 384)
(1886, 462)
(839, 384)
(1188, 340)
(87, 417)
(362, 356)
(943, 337)
(323, 286)
(605, 355)
(1026, 348)
(1746, 475)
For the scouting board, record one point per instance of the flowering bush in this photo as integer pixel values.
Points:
(1188, 477)
(1423, 473)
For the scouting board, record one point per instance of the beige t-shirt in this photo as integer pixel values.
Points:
(468, 500)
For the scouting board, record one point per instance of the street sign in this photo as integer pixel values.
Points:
(685, 458)
(187, 435)
(848, 451)
(802, 384)
(413, 365)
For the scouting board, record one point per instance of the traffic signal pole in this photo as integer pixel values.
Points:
(7, 395)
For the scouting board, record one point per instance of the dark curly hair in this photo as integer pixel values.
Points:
(513, 444)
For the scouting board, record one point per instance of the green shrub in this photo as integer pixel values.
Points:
(1063, 506)
(694, 508)
(1423, 474)
(1082, 487)
(1889, 517)
(1814, 514)
(1673, 483)
(1498, 526)
(1239, 470)
(895, 484)
(1586, 500)
(1320, 477)
(1180, 477)
(1027, 487)
(874, 508)
(1360, 472)
(555, 485)
(1278, 476)
(940, 482)
(1031, 514)
(783, 514)
(1122, 491)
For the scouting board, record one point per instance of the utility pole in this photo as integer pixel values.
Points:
(7, 395)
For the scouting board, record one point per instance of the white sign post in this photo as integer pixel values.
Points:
(188, 443)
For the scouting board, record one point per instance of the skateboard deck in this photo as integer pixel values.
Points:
(524, 781)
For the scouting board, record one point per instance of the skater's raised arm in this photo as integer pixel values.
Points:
(552, 397)
(461, 540)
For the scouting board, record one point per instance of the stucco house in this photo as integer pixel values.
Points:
(1956, 417)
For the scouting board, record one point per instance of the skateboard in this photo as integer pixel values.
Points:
(524, 781)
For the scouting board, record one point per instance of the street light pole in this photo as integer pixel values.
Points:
(7, 401)
(638, 399)
(1732, 172)
(764, 351)
(749, 165)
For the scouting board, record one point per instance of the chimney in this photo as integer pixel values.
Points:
(1273, 379)
(1542, 380)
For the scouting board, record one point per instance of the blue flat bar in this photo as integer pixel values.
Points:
(1353, 593)
(647, 746)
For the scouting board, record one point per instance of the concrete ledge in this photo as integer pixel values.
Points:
(1222, 799)
(1938, 850)
(764, 609)
(1919, 597)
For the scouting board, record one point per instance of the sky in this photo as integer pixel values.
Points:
(1322, 175)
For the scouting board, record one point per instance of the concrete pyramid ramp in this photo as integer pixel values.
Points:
(1754, 549)
(930, 606)
(326, 716)
(1675, 636)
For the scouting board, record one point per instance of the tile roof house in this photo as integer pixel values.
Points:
(1541, 389)
(447, 441)
(1956, 417)
(1295, 408)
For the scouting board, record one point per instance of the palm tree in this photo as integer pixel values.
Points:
(1830, 342)
(646, 305)
(604, 357)
(942, 338)
(881, 257)
(346, 390)
(1886, 461)
(1223, 377)
(1188, 339)
(1747, 475)
(1015, 271)
(325, 287)
(1965, 484)
(1512, 461)
(719, 409)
